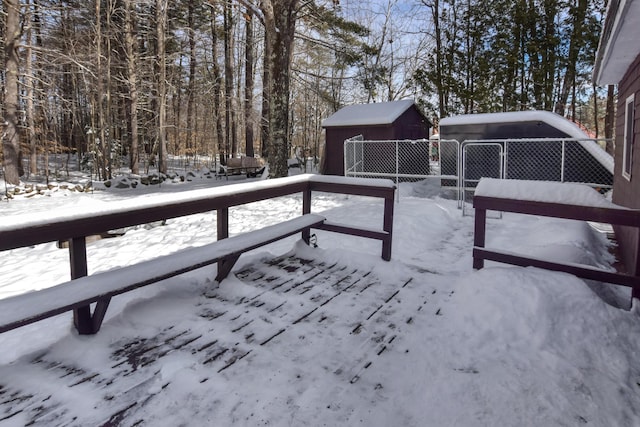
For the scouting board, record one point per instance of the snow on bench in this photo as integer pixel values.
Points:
(31, 307)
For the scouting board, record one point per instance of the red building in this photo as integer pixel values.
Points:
(618, 63)
(394, 120)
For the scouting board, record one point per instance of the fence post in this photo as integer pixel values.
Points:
(504, 161)
(397, 163)
(562, 160)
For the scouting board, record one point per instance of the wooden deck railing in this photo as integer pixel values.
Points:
(69, 225)
(74, 227)
(616, 216)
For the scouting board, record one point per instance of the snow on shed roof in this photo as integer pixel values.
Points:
(619, 41)
(552, 119)
(381, 113)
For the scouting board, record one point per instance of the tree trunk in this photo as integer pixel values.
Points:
(266, 93)
(248, 85)
(109, 123)
(575, 45)
(161, 25)
(217, 79)
(11, 134)
(280, 22)
(29, 83)
(102, 150)
(192, 78)
(132, 81)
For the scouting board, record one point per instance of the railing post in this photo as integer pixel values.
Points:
(479, 235)
(306, 209)
(222, 225)
(388, 225)
(78, 261)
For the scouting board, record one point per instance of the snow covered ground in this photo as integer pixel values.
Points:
(503, 346)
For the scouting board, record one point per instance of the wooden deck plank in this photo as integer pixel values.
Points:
(240, 328)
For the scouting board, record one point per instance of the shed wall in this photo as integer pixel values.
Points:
(335, 137)
(409, 125)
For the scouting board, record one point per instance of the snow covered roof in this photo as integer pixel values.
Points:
(619, 45)
(548, 117)
(553, 119)
(381, 113)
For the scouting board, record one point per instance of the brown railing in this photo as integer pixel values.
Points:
(616, 216)
(74, 227)
(27, 230)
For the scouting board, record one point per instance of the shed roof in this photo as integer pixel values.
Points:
(619, 45)
(555, 120)
(382, 113)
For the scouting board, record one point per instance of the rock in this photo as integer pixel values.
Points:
(123, 183)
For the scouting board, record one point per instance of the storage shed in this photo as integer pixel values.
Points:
(396, 120)
(580, 160)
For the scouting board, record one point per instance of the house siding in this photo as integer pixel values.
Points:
(626, 192)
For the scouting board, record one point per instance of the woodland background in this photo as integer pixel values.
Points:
(141, 79)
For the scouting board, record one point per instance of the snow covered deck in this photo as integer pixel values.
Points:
(223, 331)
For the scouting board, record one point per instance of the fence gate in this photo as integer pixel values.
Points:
(538, 159)
(403, 160)
(479, 160)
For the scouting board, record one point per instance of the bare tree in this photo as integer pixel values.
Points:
(29, 83)
(161, 84)
(229, 121)
(280, 23)
(131, 48)
(11, 137)
(248, 83)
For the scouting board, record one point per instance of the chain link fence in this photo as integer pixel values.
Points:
(402, 160)
(541, 159)
(460, 166)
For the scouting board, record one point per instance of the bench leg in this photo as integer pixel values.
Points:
(225, 266)
(82, 320)
(87, 323)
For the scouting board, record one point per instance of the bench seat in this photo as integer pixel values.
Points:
(31, 307)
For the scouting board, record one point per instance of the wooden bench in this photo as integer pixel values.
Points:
(99, 288)
(249, 171)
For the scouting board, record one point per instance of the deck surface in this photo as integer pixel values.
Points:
(286, 298)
